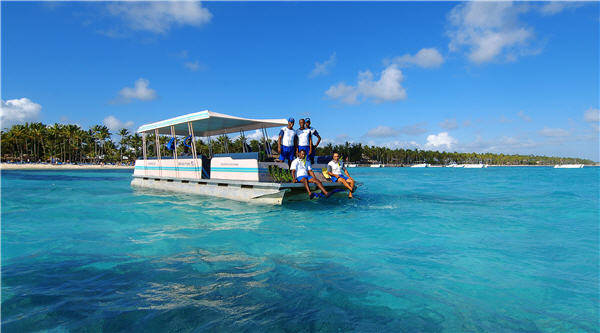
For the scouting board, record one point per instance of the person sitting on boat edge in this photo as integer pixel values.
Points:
(313, 133)
(286, 142)
(303, 138)
(302, 173)
(336, 169)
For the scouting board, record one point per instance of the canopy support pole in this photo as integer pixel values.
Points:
(158, 151)
(210, 154)
(145, 153)
(193, 144)
(243, 141)
(175, 151)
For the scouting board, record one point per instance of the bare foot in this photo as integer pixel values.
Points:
(350, 195)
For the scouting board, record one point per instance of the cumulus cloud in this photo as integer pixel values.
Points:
(141, 91)
(159, 17)
(382, 132)
(489, 30)
(592, 115)
(553, 132)
(449, 124)
(387, 89)
(426, 58)
(323, 68)
(18, 111)
(440, 140)
(115, 124)
(523, 116)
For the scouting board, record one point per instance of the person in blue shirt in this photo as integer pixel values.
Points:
(313, 133)
(286, 142)
(302, 173)
(303, 139)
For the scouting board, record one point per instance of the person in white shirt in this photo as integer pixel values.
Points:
(313, 133)
(304, 139)
(302, 173)
(286, 142)
(336, 169)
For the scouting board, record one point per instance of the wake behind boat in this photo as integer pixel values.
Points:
(246, 176)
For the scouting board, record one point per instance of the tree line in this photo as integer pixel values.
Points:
(68, 143)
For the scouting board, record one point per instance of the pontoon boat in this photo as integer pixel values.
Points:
(245, 176)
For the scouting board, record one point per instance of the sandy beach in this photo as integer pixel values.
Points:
(39, 166)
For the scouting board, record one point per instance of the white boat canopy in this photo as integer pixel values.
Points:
(207, 123)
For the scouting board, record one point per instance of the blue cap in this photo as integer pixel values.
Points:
(290, 119)
(307, 119)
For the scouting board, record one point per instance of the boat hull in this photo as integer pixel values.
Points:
(246, 191)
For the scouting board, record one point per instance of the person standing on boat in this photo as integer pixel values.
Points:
(302, 173)
(303, 138)
(313, 133)
(286, 142)
(336, 169)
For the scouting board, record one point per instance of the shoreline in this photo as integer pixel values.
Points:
(39, 166)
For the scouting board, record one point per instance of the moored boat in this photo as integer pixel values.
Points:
(475, 166)
(568, 166)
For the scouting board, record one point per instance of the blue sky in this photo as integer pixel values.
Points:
(499, 77)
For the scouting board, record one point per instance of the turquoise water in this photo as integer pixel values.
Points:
(420, 250)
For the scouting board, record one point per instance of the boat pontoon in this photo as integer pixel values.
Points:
(241, 176)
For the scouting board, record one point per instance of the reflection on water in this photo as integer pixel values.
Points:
(418, 251)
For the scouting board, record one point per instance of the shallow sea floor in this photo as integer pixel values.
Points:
(419, 250)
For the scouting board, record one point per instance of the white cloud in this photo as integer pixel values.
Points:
(426, 58)
(193, 66)
(18, 111)
(449, 124)
(115, 124)
(555, 7)
(382, 132)
(388, 88)
(159, 17)
(323, 68)
(140, 91)
(553, 132)
(346, 94)
(523, 116)
(489, 30)
(439, 140)
(592, 115)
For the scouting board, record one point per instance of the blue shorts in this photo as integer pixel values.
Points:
(305, 148)
(299, 179)
(334, 179)
(287, 153)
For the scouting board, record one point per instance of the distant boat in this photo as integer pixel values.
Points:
(420, 165)
(568, 166)
(351, 165)
(475, 166)
(454, 165)
(376, 166)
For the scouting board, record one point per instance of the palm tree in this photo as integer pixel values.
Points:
(124, 133)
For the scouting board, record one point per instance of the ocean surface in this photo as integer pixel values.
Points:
(419, 250)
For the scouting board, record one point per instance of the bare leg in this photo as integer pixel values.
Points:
(351, 181)
(305, 182)
(320, 186)
(343, 181)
